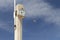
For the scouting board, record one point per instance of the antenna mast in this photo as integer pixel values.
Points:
(14, 4)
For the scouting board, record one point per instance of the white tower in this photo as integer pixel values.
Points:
(18, 16)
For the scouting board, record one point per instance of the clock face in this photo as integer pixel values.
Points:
(22, 12)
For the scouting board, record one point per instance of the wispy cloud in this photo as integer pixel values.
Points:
(40, 8)
(6, 3)
(34, 8)
(6, 26)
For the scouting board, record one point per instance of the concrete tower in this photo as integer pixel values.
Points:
(18, 16)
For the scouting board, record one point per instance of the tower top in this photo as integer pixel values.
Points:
(19, 10)
(19, 7)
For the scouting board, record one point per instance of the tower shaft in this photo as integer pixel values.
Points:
(18, 29)
(18, 16)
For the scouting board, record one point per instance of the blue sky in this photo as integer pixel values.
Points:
(41, 22)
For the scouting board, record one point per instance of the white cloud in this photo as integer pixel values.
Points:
(39, 8)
